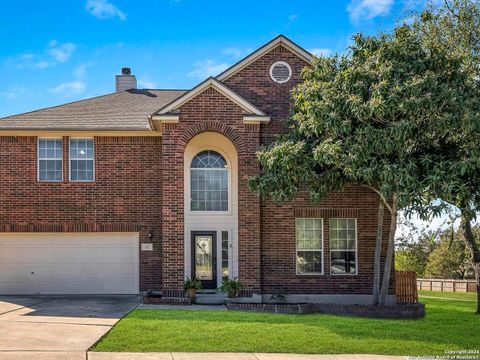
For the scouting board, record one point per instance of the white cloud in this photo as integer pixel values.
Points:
(146, 83)
(53, 54)
(292, 18)
(69, 88)
(60, 52)
(205, 68)
(102, 9)
(368, 9)
(74, 87)
(320, 52)
(236, 52)
(14, 92)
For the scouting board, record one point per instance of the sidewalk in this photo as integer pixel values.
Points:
(231, 356)
(80, 355)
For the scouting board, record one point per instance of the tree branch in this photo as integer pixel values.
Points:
(381, 197)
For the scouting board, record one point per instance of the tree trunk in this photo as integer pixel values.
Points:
(472, 246)
(378, 252)
(390, 251)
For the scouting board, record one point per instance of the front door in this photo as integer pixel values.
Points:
(204, 258)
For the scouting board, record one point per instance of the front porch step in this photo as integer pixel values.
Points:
(210, 298)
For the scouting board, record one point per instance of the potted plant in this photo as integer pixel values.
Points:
(191, 286)
(232, 287)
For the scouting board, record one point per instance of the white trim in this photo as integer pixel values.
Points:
(166, 118)
(156, 121)
(70, 160)
(55, 159)
(284, 64)
(46, 133)
(322, 250)
(256, 119)
(303, 54)
(356, 249)
(210, 83)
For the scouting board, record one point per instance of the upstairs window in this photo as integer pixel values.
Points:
(82, 160)
(209, 182)
(343, 246)
(50, 159)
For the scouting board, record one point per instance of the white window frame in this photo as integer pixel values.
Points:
(70, 159)
(356, 247)
(322, 250)
(289, 72)
(229, 184)
(56, 159)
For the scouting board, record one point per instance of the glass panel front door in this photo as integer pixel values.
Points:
(204, 258)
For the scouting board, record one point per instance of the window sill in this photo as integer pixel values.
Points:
(310, 274)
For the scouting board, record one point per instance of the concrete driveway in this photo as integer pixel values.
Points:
(54, 325)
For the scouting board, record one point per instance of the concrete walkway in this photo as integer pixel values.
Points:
(230, 356)
(37, 327)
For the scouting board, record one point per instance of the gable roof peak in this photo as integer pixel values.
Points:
(211, 82)
(278, 40)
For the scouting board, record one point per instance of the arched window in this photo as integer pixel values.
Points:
(209, 182)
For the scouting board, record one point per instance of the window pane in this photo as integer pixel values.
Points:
(225, 255)
(309, 262)
(50, 157)
(343, 246)
(208, 160)
(82, 159)
(309, 237)
(208, 184)
(343, 262)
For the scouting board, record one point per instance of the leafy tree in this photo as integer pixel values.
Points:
(382, 117)
(449, 260)
(454, 30)
(366, 118)
(413, 246)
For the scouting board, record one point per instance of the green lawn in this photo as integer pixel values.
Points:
(449, 325)
(449, 295)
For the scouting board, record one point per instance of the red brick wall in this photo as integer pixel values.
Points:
(209, 111)
(254, 83)
(126, 195)
(279, 247)
(278, 220)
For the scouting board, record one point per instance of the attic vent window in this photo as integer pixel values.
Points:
(280, 72)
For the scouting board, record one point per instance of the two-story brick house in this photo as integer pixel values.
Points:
(135, 190)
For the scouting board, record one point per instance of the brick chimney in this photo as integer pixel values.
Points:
(125, 81)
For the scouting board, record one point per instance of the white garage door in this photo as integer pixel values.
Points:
(69, 263)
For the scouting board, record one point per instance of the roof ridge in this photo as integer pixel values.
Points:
(79, 101)
(277, 40)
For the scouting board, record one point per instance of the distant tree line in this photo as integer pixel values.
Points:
(439, 254)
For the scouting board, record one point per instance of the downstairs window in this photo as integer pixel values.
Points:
(309, 239)
(343, 246)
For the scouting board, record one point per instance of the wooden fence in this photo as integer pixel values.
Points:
(447, 285)
(406, 286)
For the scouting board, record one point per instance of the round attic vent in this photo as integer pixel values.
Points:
(280, 72)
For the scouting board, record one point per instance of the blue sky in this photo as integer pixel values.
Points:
(59, 51)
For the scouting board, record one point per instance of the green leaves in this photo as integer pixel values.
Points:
(400, 113)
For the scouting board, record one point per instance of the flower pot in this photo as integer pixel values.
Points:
(191, 293)
(232, 293)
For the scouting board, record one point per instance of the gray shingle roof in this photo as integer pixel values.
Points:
(125, 110)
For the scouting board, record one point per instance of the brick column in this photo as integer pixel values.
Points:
(172, 212)
(249, 241)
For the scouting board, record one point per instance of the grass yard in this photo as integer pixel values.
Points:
(449, 325)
